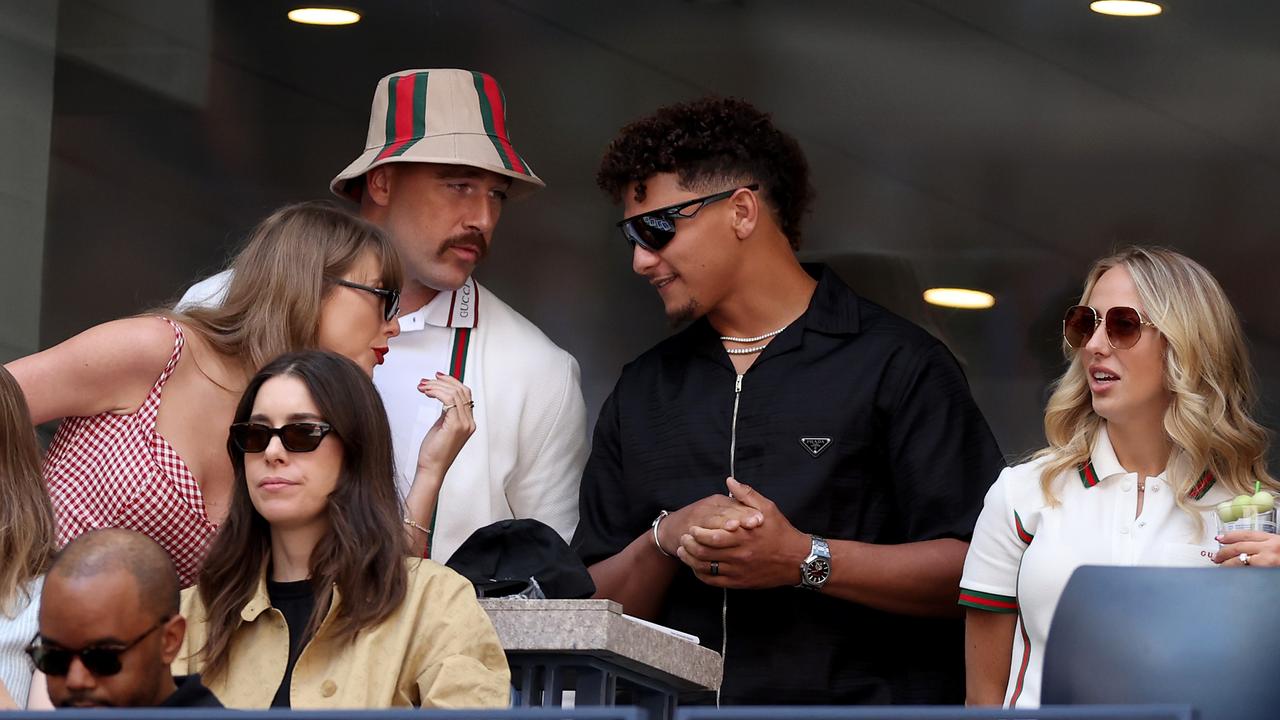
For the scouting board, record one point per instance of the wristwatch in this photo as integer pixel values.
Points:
(816, 569)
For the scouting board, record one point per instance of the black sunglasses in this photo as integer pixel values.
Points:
(390, 298)
(253, 437)
(1123, 324)
(654, 229)
(101, 660)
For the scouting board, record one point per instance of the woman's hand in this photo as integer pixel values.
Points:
(456, 424)
(438, 451)
(1262, 549)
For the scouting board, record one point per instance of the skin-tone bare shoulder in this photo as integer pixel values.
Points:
(107, 368)
(38, 698)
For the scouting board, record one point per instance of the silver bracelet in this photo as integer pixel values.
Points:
(657, 520)
(416, 526)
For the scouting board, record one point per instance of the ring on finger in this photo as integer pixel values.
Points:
(1244, 558)
(715, 568)
(447, 408)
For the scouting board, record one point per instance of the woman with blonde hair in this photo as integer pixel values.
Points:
(26, 541)
(146, 401)
(1149, 427)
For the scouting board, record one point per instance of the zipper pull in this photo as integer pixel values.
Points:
(737, 386)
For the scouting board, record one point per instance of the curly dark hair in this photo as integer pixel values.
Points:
(709, 143)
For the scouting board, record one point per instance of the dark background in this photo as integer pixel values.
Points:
(1001, 145)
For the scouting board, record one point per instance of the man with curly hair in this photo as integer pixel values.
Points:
(825, 567)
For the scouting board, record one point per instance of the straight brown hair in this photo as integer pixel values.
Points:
(281, 277)
(363, 554)
(28, 537)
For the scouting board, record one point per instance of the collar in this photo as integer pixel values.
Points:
(834, 307)
(833, 310)
(260, 602)
(456, 309)
(1102, 464)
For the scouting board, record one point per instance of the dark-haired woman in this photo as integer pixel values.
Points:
(306, 598)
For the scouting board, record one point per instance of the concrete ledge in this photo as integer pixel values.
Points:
(597, 628)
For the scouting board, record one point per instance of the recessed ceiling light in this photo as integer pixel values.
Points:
(959, 298)
(324, 16)
(1126, 8)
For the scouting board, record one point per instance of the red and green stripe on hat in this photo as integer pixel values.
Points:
(406, 120)
(445, 116)
(493, 111)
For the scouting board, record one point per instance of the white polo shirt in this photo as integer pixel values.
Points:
(525, 459)
(1023, 551)
(424, 347)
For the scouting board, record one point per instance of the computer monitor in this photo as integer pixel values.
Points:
(1206, 637)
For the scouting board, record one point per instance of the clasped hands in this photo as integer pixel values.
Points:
(750, 542)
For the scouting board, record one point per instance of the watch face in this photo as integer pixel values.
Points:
(817, 572)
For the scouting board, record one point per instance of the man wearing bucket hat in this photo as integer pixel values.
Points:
(436, 170)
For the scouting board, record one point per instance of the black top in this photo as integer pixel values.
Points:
(907, 457)
(295, 600)
(191, 693)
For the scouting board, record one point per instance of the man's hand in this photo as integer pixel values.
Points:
(717, 511)
(762, 555)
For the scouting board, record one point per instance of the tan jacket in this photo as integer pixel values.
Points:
(438, 649)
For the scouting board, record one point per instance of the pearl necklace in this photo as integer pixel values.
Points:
(745, 351)
(757, 338)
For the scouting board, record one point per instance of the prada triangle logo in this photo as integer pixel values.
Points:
(815, 445)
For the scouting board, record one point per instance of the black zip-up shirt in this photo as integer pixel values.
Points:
(906, 456)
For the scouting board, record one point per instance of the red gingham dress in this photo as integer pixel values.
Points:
(116, 471)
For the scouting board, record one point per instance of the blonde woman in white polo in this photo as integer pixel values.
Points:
(1148, 428)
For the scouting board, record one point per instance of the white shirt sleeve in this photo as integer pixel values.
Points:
(990, 580)
(209, 292)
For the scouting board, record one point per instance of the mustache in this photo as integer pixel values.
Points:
(475, 241)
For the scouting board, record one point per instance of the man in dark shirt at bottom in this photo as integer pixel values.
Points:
(110, 627)
(794, 477)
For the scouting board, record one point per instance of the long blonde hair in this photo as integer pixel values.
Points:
(1206, 371)
(281, 278)
(27, 529)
